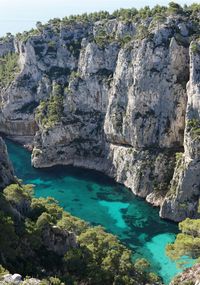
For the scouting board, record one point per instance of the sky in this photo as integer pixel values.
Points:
(20, 15)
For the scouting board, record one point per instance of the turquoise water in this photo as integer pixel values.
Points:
(99, 200)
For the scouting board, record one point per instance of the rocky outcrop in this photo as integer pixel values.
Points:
(123, 107)
(183, 198)
(189, 276)
(17, 279)
(6, 170)
(58, 240)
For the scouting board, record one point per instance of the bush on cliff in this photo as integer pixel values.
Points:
(50, 111)
(187, 243)
(8, 69)
(97, 258)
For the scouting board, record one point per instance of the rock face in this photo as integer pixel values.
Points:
(183, 199)
(6, 171)
(58, 240)
(189, 276)
(124, 108)
(16, 279)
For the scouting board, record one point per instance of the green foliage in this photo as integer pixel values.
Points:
(85, 18)
(174, 8)
(43, 220)
(195, 48)
(179, 156)
(52, 44)
(50, 112)
(7, 38)
(8, 238)
(194, 127)
(126, 39)
(153, 278)
(72, 224)
(187, 243)
(74, 47)
(108, 261)
(157, 13)
(18, 195)
(3, 271)
(142, 265)
(142, 32)
(8, 69)
(99, 259)
(74, 75)
(55, 281)
(102, 38)
(23, 37)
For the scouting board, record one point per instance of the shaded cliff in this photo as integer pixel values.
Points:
(111, 95)
(6, 171)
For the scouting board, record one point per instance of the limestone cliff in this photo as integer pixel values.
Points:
(111, 96)
(183, 197)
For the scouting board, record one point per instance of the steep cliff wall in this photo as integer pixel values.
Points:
(112, 96)
(183, 198)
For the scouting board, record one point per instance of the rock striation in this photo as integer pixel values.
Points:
(89, 97)
(183, 198)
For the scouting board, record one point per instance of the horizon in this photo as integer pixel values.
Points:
(24, 15)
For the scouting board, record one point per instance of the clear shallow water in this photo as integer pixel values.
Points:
(99, 200)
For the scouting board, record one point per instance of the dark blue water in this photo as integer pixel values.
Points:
(99, 200)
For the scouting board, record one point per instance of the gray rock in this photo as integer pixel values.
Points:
(127, 111)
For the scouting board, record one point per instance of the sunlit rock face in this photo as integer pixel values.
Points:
(125, 109)
(183, 198)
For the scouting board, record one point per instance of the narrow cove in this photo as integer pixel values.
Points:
(97, 199)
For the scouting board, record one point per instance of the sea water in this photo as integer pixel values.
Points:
(97, 199)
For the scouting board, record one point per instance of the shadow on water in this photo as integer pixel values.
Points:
(97, 199)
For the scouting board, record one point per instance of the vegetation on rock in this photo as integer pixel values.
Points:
(187, 242)
(50, 111)
(194, 127)
(157, 14)
(8, 69)
(97, 258)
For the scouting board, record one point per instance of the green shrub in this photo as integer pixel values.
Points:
(99, 259)
(23, 37)
(8, 69)
(195, 48)
(187, 243)
(174, 8)
(50, 112)
(142, 32)
(17, 194)
(194, 128)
